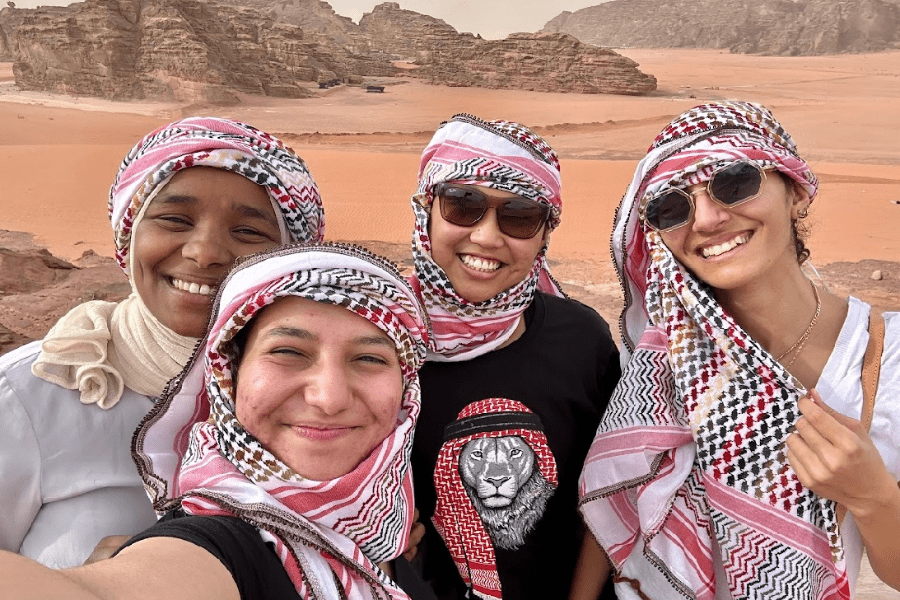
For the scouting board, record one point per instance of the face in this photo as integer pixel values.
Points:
(480, 260)
(189, 236)
(729, 248)
(319, 386)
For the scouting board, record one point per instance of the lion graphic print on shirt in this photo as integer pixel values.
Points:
(494, 476)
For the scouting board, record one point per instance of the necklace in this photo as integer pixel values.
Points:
(798, 345)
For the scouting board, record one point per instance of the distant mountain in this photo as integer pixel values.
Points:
(204, 50)
(776, 27)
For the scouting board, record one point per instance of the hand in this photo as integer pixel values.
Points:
(106, 547)
(834, 456)
(416, 533)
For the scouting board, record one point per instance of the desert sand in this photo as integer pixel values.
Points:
(58, 156)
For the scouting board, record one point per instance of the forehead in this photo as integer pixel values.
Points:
(322, 320)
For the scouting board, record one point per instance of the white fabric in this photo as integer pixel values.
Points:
(66, 474)
(840, 386)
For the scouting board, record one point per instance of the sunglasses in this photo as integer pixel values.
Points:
(728, 186)
(516, 217)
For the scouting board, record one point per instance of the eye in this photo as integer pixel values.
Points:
(477, 454)
(516, 453)
(372, 359)
(252, 235)
(173, 222)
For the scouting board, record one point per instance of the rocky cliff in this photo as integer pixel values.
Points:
(779, 27)
(201, 50)
(550, 62)
(175, 49)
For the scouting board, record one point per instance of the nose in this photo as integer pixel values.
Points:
(486, 232)
(207, 249)
(330, 390)
(708, 214)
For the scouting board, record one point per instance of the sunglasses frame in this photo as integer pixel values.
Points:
(689, 196)
(496, 204)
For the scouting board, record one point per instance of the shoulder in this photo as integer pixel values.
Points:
(16, 364)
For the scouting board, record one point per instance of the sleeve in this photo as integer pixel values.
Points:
(20, 469)
(257, 571)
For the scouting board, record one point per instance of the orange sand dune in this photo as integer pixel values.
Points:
(60, 154)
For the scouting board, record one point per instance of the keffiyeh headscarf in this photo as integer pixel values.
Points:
(99, 348)
(192, 452)
(689, 458)
(455, 518)
(501, 155)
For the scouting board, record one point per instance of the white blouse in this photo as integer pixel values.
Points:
(66, 474)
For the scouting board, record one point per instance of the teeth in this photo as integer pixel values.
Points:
(480, 264)
(719, 249)
(193, 288)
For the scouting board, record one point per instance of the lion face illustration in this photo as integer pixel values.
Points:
(505, 486)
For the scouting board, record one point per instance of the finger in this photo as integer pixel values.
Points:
(824, 422)
(806, 463)
(845, 421)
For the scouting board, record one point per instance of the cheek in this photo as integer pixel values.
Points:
(386, 407)
(251, 406)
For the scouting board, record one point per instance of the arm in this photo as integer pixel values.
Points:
(20, 469)
(154, 568)
(591, 571)
(834, 457)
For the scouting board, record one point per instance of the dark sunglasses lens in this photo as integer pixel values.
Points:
(736, 183)
(461, 206)
(667, 211)
(521, 219)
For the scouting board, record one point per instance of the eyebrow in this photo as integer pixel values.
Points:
(303, 334)
(242, 209)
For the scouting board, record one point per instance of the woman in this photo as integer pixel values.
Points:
(734, 432)
(188, 200)
(282, 451)
(517, 375)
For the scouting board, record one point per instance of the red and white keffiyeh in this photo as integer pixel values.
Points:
(501, 155)
(192, 452)
(690, 456)
(223, 144)
(455, 517)
(99, 348)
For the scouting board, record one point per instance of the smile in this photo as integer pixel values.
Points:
(193, 287)
(321, 433)
(719, 249)
(485, 265)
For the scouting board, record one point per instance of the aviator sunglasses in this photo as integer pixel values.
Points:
(729, 186)
(516, 217)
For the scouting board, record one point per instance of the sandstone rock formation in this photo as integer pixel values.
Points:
(174, 49)
(202, 50)
(550, 62)
(778, 27)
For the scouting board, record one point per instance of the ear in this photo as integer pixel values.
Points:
(799, 198)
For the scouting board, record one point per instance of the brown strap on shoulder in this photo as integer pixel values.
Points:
(871, 370)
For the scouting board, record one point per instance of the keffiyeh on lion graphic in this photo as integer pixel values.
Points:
(494, 476)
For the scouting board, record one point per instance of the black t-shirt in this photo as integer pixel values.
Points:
(252, 562)
(564, 368)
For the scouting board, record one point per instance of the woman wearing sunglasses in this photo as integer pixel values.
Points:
(732, 461)
(517, 376)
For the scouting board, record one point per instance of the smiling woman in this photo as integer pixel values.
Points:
(281, 455)
(188, 200)
(747, 391)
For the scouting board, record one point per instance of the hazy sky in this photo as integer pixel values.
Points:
(490, 18)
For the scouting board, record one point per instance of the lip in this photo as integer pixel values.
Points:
(321, 433)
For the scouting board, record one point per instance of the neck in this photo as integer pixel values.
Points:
(774, 312)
